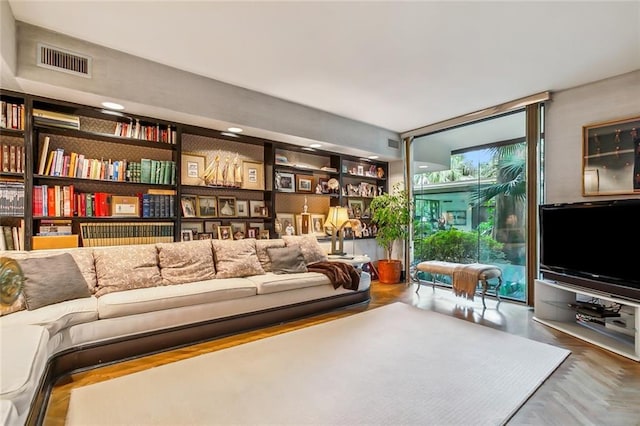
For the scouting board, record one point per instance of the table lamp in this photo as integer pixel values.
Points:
(337, 218)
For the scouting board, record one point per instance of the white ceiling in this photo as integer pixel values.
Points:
(397, 65)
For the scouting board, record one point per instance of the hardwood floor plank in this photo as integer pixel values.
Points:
(592, 387)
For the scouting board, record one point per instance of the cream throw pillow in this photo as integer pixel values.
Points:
(236, 258)
(187, 261)
(126, 267)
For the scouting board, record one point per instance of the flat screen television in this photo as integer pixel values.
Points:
(592, 244)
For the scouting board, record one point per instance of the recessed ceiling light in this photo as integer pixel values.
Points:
(423, 167)
(373, 157)
(235, 129)
(315, 145)
(112, 105)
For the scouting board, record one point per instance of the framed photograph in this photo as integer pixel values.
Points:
(258, 208)
(186, 235)
(225, 233)
(122, 206)
(285, 182)
(360, 171)
(611, 157)
(188, 204)
(252, 175)
(205, 236)
(238, 230)
(287, 222)
(356, 208)
(207, 206)
(264, 234)
(226, 206)
(191, 169)
(323, 186)
(317, 225)
(303, 224)
(242, 208)
(212, 227)
(257, 225)
(305, 183)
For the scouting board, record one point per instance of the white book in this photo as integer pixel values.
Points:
(43, 155)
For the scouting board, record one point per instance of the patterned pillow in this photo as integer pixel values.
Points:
(125, 268)
(236, 258)
(11, 287)
(263, 256)
(187, 261)
(311, 249)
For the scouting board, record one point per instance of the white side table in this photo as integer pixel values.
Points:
(356, 261)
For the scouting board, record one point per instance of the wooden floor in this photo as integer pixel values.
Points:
(592, 387)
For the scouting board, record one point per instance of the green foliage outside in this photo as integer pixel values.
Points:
(454, 245)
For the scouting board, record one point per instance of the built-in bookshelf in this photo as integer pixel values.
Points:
(105, 178)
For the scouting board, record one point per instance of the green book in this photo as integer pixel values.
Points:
(145, 170)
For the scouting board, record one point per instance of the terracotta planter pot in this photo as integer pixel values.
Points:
(389, 271)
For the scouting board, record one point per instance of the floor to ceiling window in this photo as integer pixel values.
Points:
(472, 201)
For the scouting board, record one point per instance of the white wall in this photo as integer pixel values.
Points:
(568, 111)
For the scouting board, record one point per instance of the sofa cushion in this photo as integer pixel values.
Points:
(287, 260)
(56, 317)
(261, 250)
(143, 300)
(126, 267)
(52, 279)
(311, 249)
(236, 258)
(273, 283)
(186, 261)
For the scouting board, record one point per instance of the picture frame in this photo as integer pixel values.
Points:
(242, 208)
(257, 225)
(317, 224)
(611, 157)
(356, 208)
(253, 232)
(303, 224)
(304, 183)
(285, 182)
(238, 230)
(188, 204)
(207, 206)
(264, 234)
(186, 235)
(258, 208)
(252, 175)
(226, 206)
(191, 169)
(212, 227)
(288, 223)
(205, 236)
(323, 185)
(225, 233)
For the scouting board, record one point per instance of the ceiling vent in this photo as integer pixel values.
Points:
(393, 144)
(63, 60)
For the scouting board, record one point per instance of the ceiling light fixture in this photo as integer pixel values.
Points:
(373, 157)
(315, 145)
(233, 135)
(235, 129)
(423, 167)
(112, 105)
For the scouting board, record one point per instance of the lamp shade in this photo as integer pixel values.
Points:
(336, 217)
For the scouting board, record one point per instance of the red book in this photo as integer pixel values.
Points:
(51, 201)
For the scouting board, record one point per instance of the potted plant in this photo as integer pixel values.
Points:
(391, 213)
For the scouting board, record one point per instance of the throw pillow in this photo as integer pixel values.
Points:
(53, 279)
(261, 249)
(311, 249)
(236, 258)
(186, 261)
(287, 260)
(126, 267)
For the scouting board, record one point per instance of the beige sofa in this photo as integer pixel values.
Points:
(140, 299)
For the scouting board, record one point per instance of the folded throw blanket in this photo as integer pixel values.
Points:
(339, 273)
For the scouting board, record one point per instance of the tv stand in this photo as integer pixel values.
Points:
(555, 306)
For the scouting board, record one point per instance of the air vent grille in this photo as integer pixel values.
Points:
(63, 60)
(393, 144)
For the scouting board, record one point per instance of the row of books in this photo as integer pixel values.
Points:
(55, 119)
(55, 227)
(64, 201)
(113, 234)
(145, 132)
(12, 158)
(11, 198)
(11, 115)
(12, 237)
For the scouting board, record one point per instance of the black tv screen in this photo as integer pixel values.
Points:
(592, 244)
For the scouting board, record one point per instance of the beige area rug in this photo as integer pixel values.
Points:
(393, 365)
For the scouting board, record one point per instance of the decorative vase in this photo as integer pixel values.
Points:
(389, 271)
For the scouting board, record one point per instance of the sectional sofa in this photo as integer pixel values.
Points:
(84, 307)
